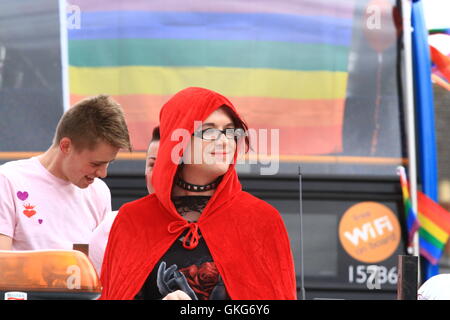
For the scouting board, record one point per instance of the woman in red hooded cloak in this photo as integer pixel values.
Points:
(198, 234)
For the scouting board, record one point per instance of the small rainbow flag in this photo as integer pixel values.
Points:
(412, 223)
(439, 44)
(434, 228)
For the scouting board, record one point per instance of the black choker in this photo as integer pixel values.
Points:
(195, 187)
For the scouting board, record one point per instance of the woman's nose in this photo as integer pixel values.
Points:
(222, 140)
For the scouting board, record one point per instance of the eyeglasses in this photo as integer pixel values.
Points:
(213, 134)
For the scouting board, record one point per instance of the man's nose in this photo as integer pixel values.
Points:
(102, 171)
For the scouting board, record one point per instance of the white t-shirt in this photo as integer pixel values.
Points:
(435, 288)
(99, 241)
(41, 211)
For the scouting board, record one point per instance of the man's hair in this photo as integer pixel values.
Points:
(93, 120)
(155, 134)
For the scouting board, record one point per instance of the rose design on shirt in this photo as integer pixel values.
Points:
(29, 210)
(202, 279)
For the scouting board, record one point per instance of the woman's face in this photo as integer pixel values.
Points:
(208, 156)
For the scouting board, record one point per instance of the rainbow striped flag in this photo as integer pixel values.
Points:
(434, 228)
(412, 223)
(439, 44)
(284, 63)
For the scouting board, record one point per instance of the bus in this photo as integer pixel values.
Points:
(319, 83)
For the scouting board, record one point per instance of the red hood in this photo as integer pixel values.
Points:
(246, 236)
(181, 112)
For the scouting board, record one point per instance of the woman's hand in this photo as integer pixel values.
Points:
(177, 295)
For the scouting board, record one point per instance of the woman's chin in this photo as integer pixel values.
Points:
(218, 169)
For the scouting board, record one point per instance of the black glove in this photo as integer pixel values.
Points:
(219, 292)
(170, 280)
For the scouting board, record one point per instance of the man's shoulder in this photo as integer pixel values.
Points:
(140, 203)
(98, 192)
(138, 210)
(17, 168)
(99, 184)
(21, 164)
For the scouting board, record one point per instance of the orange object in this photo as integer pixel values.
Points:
(369, 232)
(63, 272)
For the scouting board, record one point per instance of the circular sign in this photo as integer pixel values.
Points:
(369, 232)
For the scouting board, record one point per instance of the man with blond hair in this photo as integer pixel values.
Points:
(54, 200)
(100, 235)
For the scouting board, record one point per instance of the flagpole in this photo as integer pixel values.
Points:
(410, 118)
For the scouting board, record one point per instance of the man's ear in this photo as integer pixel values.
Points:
(65, 145)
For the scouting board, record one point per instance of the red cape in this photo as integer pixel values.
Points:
(245, 235)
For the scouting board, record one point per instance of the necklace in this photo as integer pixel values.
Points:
(196, 187)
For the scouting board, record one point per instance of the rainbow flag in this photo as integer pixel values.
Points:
(434, 228)
(439, 44)
(284, 63)
(412, 223)
(441, 67)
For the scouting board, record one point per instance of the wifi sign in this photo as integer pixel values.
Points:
(369, 232)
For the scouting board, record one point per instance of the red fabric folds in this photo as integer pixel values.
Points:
(192, 237)
(245, 235)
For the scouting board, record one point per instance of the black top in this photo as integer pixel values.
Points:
(192, 271)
